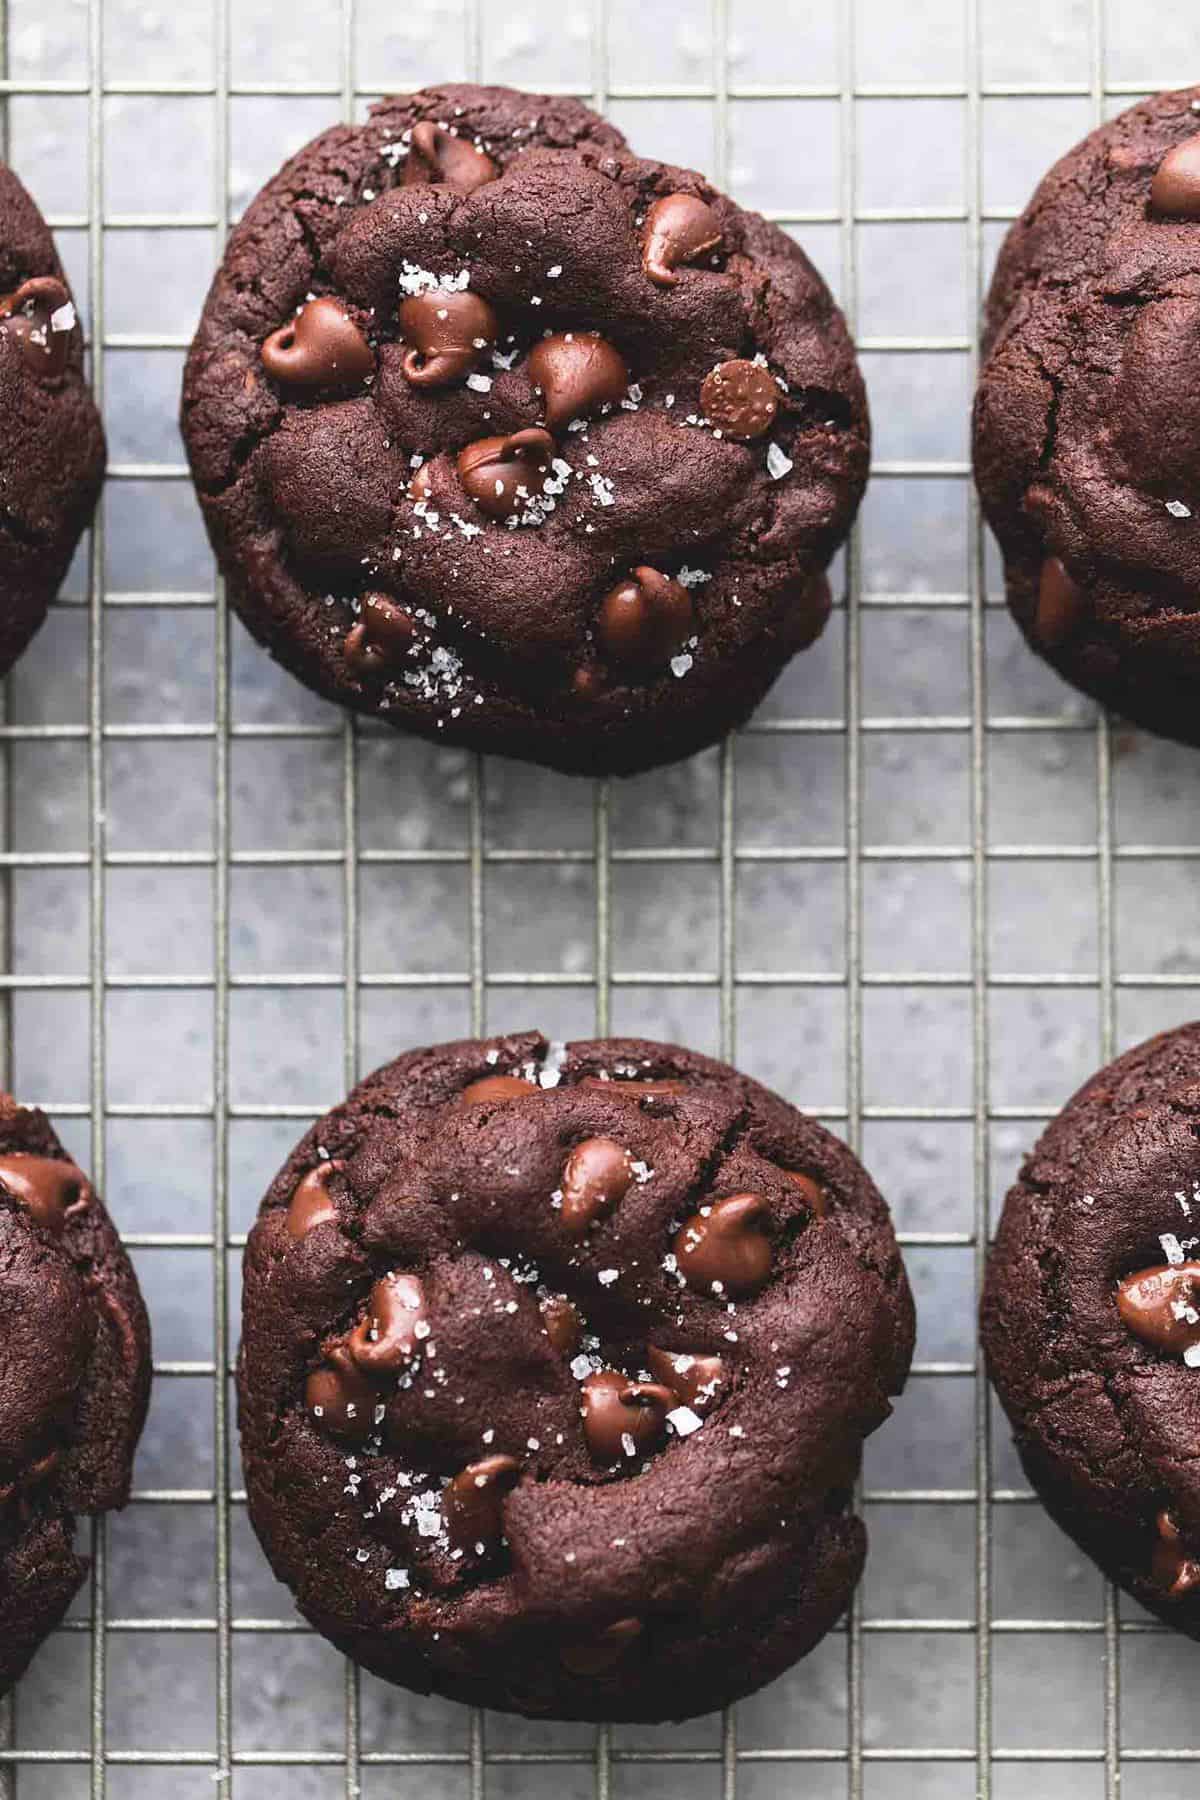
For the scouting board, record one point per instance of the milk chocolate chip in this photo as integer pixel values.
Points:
(40, 318)
(813, 1194)
(340, 1397)
(562, 1323)
(380, 637)
(623, 1418)
(644, 619)
(1060, 605)
(393, 1328)
(576, 372)
(503, 474)
(1162, 1306)
(603, 1652)
(321, 347)
(445, 330)
(438, 155)
(472, 1505)
(740, 398)
(1175, 189)
(679, 228)
(597, 1176)
(723, 1248)
(312, 1204)
(491, 1088)
(695, 1380)
(49, 1187)
(1171, 1564)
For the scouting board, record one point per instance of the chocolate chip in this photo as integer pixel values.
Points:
(438, 155)
(27, 316)
(597, 1176)
(321, 347)
(1060, 605)
(445, 330)
(491, 1088)
(1171, 1564)
(603, 1652)
(679, 228)
(576, 372)
(644, 619)
(1175, 189)
(312, 1204)
(421, 485)
(723, 1249)
(623, 1418)
(503, 474)
(740, 398)
(340, 1398)
(814, 1195)
(563, 1325)
(49, 1187)
(695, 1380)
(473, 1504)
(1162, 1306)
(380, 637)
(393, 1328)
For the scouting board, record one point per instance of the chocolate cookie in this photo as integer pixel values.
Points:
(521, 441)
(1086, 458)
(74, 1377)
(1091, 1321)
(555, 1372)
(52, 447)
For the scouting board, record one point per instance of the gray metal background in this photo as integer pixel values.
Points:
(923, 895)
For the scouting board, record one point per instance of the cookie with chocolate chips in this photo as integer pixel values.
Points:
(1091, 1321)
(52, 447)
(1086, 457)
(74, 1377)
(556, 1366)
(521, 441)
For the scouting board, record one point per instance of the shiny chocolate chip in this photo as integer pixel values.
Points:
(740, 398)
(50, 1188)
(340, 1398)
(597, 1176)
(635, 1090)
(644, 619)
(380, 638)
(438, 155)
(603, 1652)
(562, 1324)
(623, 1418)
(694, 1379)
(1060, 605)
(577, 373)
(492, 1088)
(321, 347)
(723, 1249)
(39, 318)
(312, 1203)
(1172, 1564)
(504, 474)
(679, 228)
(446, 330)
(1162, 1306)
(1175, 189)
(811, 1192)
(393, 1328)
(473, 1504)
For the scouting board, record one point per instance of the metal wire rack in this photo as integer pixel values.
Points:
(866, 1737)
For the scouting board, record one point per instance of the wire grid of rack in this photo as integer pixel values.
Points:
(861, 1756)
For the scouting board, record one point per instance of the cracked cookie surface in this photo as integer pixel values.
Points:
(556, 1366)
(518, 440)
(74, 1377)
(1085, 431)
(52, 452)
(1091, 1321)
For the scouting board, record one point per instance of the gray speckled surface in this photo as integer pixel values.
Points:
(1042, 788)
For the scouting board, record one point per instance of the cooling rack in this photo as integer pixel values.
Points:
(924, 893)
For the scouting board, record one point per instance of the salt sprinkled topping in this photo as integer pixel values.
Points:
(550, 1073)
(627, 1443)
(415, 280)
(395, 1578)
(681, 664)
(777, 463)
(552, 274)
(684, 1420)
(1191, 1356)
(481, 384)
(63, 318)
(602, 489)
(606, 1277)
(689, 578)
(1178, 510)
(1171, 1247)
(581, 1367)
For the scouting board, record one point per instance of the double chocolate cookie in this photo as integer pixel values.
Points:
(52, 446)
(74, 1377)
(521, 441)
(1087, 440)
(1091, 1321)
(555, 1372)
